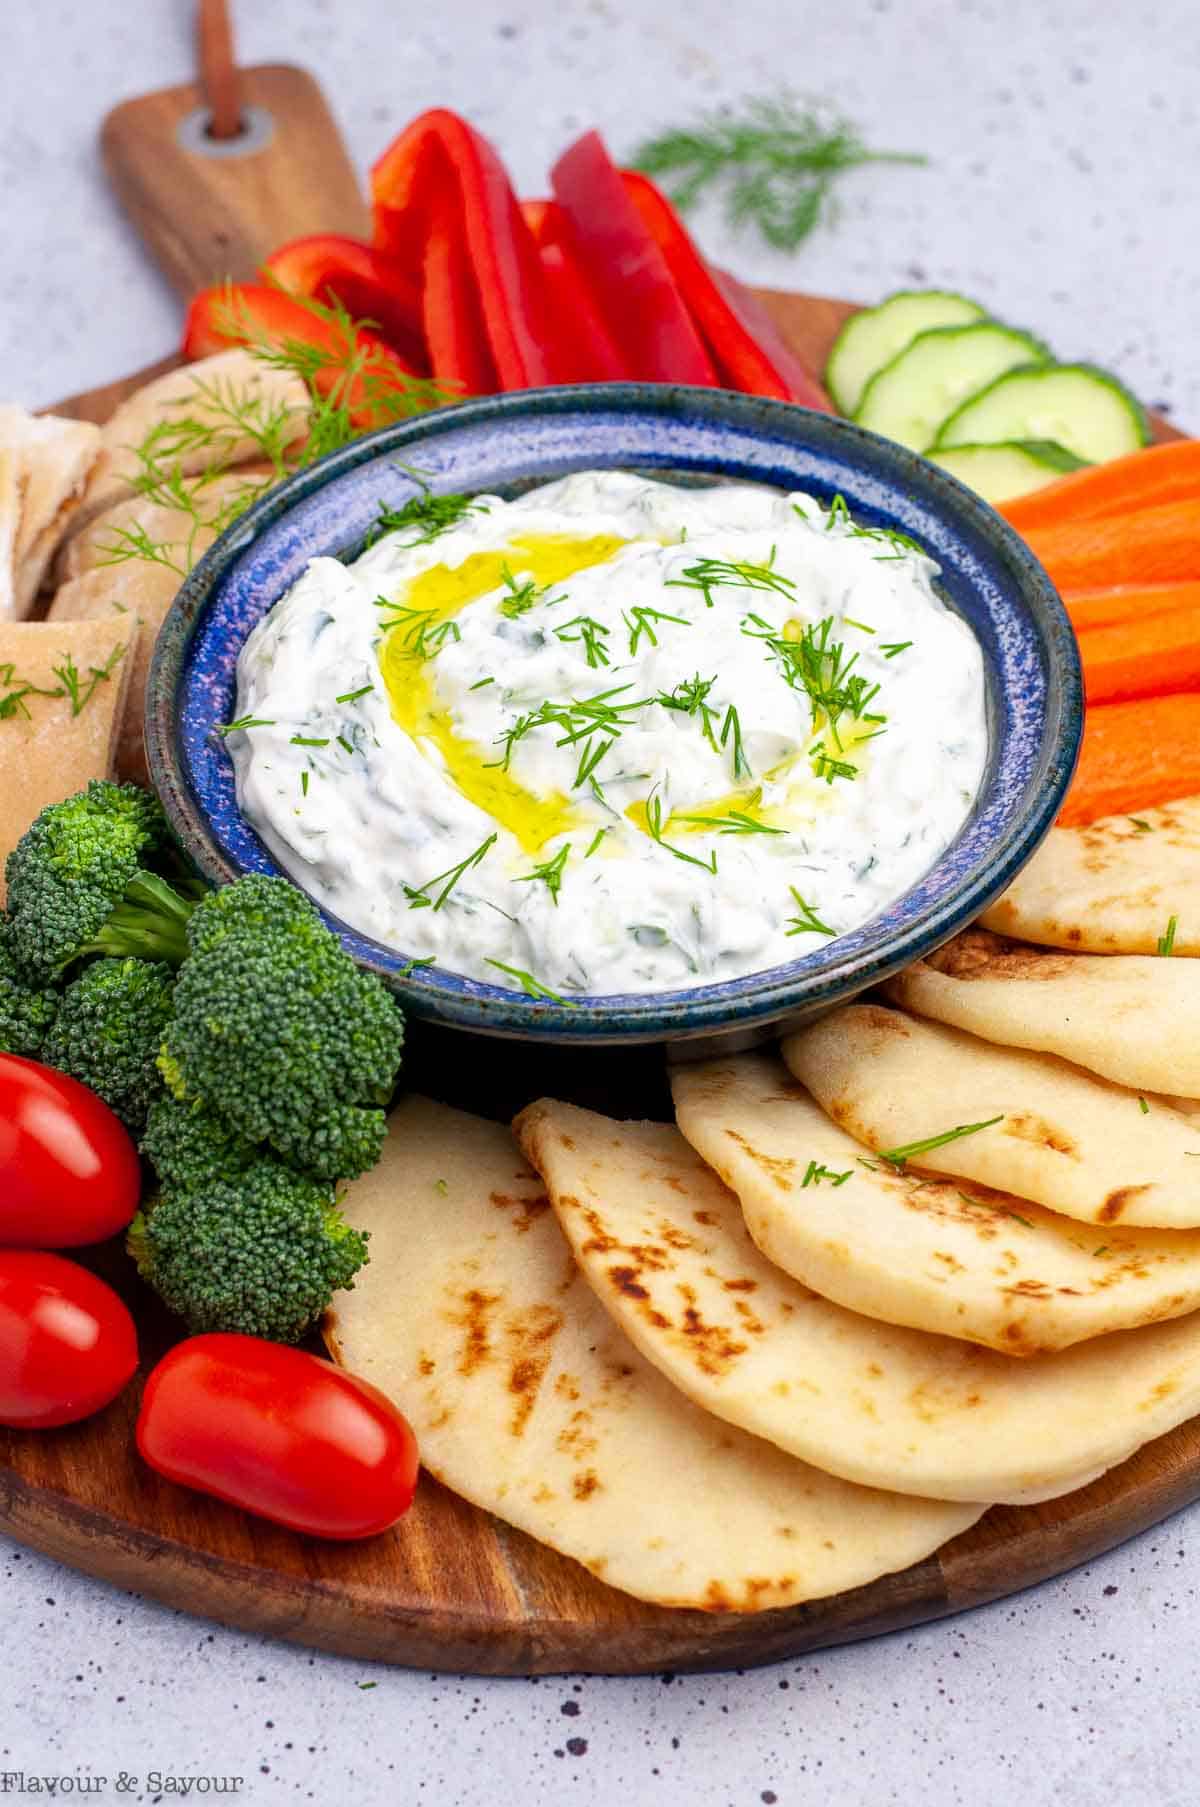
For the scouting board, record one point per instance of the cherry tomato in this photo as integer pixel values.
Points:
(280, 1433)
(69, 1173)
(67, 1343)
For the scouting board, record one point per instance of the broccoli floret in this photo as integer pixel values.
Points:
(109, 1030)
(88, 878)
(188, 1147)
(277, 1032)
(261, 1252)
(26, 1012)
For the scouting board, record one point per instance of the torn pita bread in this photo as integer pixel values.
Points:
(55, 458)
(182, 537)
(528, 1400)
(1075, 1143)
(1110, 888)
(1131, 1019)
(193, 393)
(664, 1244)
(10, 520)
(138, 594)
(47, 752)
(962, 1261)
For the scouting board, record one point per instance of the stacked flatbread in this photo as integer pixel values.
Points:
(944, 1252)
(45, 464)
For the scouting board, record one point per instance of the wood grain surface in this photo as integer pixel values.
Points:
(453, 1588)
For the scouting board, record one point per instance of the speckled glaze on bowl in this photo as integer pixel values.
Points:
(507, 443)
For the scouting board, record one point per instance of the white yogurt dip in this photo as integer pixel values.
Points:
(614, 736)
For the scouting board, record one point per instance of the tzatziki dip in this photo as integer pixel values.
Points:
(613, 736)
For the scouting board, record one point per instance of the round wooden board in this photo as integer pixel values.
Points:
(452, 1588)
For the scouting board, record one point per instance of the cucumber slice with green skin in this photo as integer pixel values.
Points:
(1000, 473)
(910, 398)
(871, 339)
(1079, 407)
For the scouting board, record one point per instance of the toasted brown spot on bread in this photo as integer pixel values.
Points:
(776, 1167)
(1117, 1201)
(527, 1208)
(1025, 1126)
(978, 954)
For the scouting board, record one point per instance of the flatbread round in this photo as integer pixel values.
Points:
(528, 1400)
(1132, 1020)
(1077, 1144)
(137, 594)
(664, 1244)
(963, 1261)
(1112, 887)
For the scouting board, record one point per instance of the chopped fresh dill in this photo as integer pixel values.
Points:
(441, 1187)
(13, 703)
(344, 743)
(775, 161)
(897, 1157)
(483, 684)
(827, 767)
(596, 840)
(643, 621)
(533, 988)
(736, 822)
(731, 730)
(80, 690)
(352, 696)
(1142, 826)
(708, 574)
(654, 825)
(550, 873)
(862, 626)
(889, 648)
(243, 722)
(1145, 1108)
(816, 1171)
(818, 666)
(418, 895)
(806, 921)
(690, 697)
(304, 782)
(307, 740)
(588, 636)
(428, 515)
(522, 597)
(412, 966)
(420, 635)
(1166, 941)
(1102, 1250)
(1015, 1215)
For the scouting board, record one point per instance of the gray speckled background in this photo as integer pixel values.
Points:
(1064, 140)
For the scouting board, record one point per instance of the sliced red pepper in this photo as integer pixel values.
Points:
(590, 352)
(368, 284)
(439, 156)
(454, 328)
(626, 269)
(746, 347)
(247, 313)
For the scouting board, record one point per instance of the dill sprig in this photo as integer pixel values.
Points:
(899, 1157)
(420, 634)
(690, 697)
(657, 832)
(550, 873)
(418, 895)
(242, 723)
(1166, 941)
(775, 164)
(522, 597)
(643, 621)
(79, 688)
(806, 921)
(533, 988)
(816, 1171)
(736, 821)
(588, 636)
(708, 574)
(427, 515)
(16, 689)
(596, 721)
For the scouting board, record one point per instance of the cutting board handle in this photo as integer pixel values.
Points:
(209, 207)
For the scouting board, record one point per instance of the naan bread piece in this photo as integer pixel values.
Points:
(1112, 887)
(528, 1400)
(55, 457)
(197, 392)
(1131, 1019)
(46, 752)
(176, 532)
(665, 1245)
(1077, 1144)
(961, 1261)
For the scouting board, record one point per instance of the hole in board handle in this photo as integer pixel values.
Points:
(193, 133)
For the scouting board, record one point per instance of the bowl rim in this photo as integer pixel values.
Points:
(750, 1000)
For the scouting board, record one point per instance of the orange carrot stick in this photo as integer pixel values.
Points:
(1134, 756)
(1155, 545)
(1127, 602)
(1148, 657)
(1160, 473)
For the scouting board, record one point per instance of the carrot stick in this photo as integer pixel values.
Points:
(1160, 473)
(1127, 602)
(1136, 755)
(1155, 545)
(1142, 658)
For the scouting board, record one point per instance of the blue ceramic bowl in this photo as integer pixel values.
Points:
(507, 443)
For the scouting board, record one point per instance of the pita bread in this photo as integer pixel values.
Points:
(173, 529)
(48, 753)
(964, 1262)
(1110, 888)
(54, 457)
(528, 1400)
(665, 1246)
(10, 520)
(178, 396)
(1077, 1144)
(1131, 1019)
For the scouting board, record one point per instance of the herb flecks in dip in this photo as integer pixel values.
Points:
(613, 736)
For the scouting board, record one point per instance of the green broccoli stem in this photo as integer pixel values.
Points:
(150, 923)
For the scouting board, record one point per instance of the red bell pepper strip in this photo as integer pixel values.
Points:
(438, 157)
(454, 327)
(626, 269)
(356, 366)
(369, 285)
(748, 352)
(591, 354)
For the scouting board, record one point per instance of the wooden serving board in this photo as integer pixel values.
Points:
(452, 1588)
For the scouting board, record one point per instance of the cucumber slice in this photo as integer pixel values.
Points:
(1079, 407)
(871, 339)
(925, 383)
(999, 473)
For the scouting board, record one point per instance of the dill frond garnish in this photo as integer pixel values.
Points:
(775, 164)
(588, 636)
(533, 988)
(816, 1171)
(899, 1157)
(806, 921)
(80, 690)
(1166, 941)
(709, 573)
(657, 832)
(549, 873)
(418, 895)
